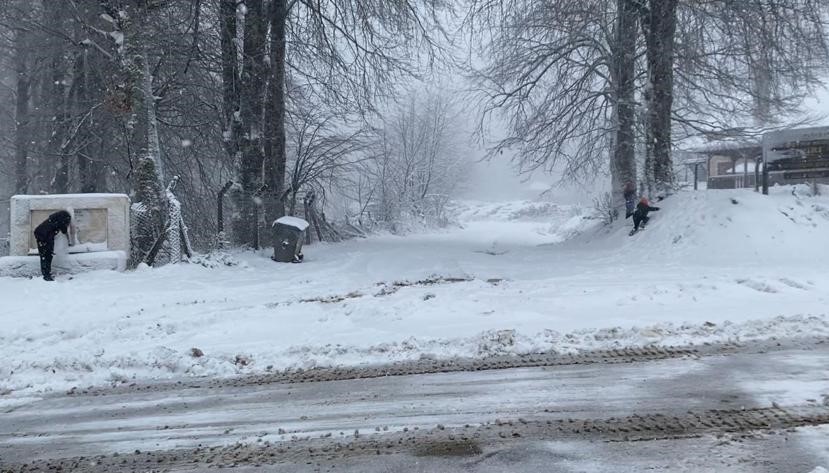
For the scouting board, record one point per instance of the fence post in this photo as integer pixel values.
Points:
(220, 224)
(696, 175)
(257, 206)
(757, 162)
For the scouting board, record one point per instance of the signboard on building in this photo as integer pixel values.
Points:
(89, 229)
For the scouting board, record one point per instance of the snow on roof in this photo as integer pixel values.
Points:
(53, 196)
(718, 146)
(794, 135)
(295, 222)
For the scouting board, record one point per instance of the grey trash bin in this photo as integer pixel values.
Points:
(289, 233)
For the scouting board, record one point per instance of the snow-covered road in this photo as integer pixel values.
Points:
(738, 405)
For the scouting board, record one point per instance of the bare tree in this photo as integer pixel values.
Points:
(549, 75)
(252, 94)
(759, 60)
(658, 21)
(737, 60)
(346, 52)
(84, 117)
(275, 113)
(322, 151)
(623, 74)
(563, 75)
(22, 119)
(560, 73)
(230, 76)
(417, 168)
(58, 101)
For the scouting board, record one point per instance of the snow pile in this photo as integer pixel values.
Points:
(722, 226)
(511, 342)
(521, 210)
(214, 259)
(521, 222)
(502, 283)
(103, 363)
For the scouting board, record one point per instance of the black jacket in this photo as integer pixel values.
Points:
(642, 210)
(57, 222)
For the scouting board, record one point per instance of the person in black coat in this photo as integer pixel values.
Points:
(45, 234)
(640, 215)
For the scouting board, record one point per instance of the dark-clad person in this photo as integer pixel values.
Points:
(45, 234)
(640, 215)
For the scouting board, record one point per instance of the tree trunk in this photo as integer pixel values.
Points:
(59, 116)
(22, 118)
(307, 212)
(231, 102)
(80, 142)
(252, 92)
(89, 171)
(148, 177)
(135, 68)
(659, 27)
(153, 143)
(623, 164)
(275, 157)
(315, 221)
(220, 217)
(230, 77)
(292, 207)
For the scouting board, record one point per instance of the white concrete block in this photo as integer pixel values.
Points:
(101, 221)
(29, 266)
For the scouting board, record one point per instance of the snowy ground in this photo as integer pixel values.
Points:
(516, 278)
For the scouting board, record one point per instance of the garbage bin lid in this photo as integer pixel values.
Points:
(295, 222)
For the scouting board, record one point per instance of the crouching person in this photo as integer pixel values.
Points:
(640, 215)
(45, 235)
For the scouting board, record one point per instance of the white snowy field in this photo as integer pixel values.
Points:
(517, 277)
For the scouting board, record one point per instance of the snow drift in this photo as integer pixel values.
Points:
(726, 227)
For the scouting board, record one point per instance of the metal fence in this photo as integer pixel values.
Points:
(732, 181)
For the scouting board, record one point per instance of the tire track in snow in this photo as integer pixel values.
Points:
(441, 441)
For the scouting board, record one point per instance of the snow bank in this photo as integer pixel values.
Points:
(521, 222)
(519, 210)
(725, 227)
(105, 364)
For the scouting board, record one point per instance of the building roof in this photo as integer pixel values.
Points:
(732, 149)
